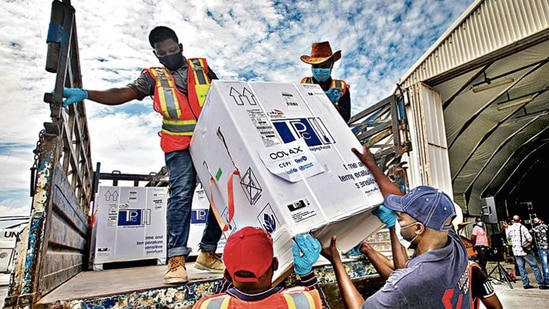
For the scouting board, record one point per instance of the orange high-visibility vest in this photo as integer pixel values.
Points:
(179, 112)
(303, 299)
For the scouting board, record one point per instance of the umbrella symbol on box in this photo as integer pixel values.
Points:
(267, 219)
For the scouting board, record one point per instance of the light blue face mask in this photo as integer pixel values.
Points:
(321, 74)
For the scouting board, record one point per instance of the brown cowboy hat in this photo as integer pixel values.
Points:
(320, 53)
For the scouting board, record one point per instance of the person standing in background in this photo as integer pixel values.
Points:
(480, 243)
(540, 235)
(322, 62)
(519, 235)
(510, 258)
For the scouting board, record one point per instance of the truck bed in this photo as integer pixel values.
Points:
(142, 287)
(104, 288)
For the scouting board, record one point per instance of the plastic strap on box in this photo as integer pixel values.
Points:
(230, 191)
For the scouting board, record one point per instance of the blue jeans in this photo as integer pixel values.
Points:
(178, 216)
(530, 258)
(544, 257)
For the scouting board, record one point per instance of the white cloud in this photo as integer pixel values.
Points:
(256, 40)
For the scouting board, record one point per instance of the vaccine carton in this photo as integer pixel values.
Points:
(278, 156)
(130, 224)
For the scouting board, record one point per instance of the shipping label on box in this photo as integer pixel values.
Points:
(287, 153)
(130, 223)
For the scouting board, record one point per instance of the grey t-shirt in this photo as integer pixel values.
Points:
(436, 279)
(144, 84)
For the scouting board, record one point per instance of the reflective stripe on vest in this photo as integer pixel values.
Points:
(202, 82)
(300, 300)
(169, 104)
(293, 301)
(217, 302)
(338, 84)
(178, 127)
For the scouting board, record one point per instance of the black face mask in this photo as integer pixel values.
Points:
(173, 61)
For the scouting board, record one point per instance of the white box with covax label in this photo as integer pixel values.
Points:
(278, 156)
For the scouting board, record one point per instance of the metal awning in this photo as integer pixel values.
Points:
(491, 69)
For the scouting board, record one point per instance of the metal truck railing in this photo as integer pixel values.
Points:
(54, 249)
(383, 127)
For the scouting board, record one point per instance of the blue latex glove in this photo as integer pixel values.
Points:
(74, 95)
(306, 250)
(385, 215)
(333, 94)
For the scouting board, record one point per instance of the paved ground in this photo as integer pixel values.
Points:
(518, 297)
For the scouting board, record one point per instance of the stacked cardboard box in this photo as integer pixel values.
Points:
(130, 224)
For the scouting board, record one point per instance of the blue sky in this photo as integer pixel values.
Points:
(242, 40)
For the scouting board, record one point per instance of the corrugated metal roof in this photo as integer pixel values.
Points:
(488, 26)
(491, 71)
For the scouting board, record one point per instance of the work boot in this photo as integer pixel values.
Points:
(209, 261)
(176, 271)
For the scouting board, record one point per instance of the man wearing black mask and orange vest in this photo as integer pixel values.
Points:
(179, 90)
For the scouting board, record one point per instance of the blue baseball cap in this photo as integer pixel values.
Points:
(427, 205)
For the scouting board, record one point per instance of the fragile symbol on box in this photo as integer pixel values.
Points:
(134, 217)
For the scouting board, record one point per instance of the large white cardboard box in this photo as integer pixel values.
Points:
(286, 153)
(130, 224)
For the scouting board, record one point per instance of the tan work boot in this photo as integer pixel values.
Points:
(176, 270)
(209, 261)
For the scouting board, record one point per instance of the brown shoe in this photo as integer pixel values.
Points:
(209, 261)
(176, 271)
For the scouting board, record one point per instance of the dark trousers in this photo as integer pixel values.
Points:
(482, 256)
